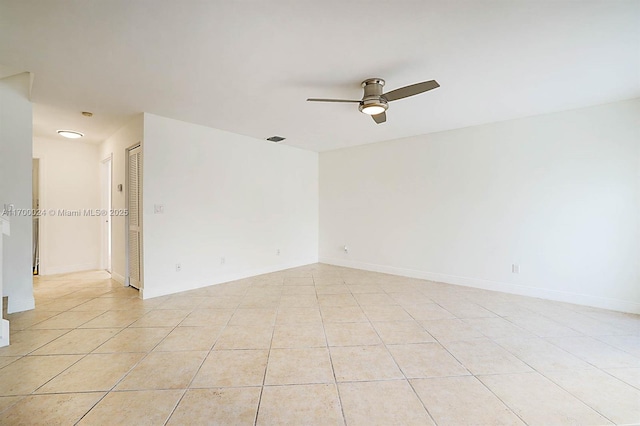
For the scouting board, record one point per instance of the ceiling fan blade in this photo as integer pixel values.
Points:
(380, 118)
(331, 100)
(414, 89)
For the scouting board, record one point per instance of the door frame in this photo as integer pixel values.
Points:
(106, 201)
(42, 222)
(37, 238)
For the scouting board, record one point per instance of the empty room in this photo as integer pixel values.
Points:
(316, 213)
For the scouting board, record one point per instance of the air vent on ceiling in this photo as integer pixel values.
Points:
(276, 139)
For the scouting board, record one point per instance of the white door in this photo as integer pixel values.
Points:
(134, 205)
(106, 220)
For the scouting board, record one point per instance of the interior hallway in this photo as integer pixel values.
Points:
(315, 345)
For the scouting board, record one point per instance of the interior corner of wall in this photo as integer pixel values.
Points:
(32, 77)
(117, 277)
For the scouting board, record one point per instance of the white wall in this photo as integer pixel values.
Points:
(15, 188)
(69, 180)
(224, 195)
(116, 146)
(558, 194)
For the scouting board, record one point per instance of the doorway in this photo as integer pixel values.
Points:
(134, 217)
(105, 183)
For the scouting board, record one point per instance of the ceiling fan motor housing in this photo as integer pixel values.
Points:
(373, 95)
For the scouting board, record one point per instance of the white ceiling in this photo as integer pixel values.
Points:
(248, 66)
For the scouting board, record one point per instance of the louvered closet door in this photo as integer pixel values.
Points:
(135, 224)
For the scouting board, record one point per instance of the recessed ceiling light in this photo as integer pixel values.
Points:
(70, 134)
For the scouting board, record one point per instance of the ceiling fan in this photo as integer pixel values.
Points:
(375, 103)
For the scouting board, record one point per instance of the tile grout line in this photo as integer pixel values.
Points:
(576, 397)
(21, 397)
(333, 371)
(619, 379)
(84, 355)
(188, 387)
(406, 379)
(534, 370)
(498, 374)
(126, 374)
(81, 358)
(471, 374)
(266, 367)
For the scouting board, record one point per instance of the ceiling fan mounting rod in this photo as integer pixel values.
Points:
(372, 88)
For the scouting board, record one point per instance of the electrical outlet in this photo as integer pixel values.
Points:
(346, 249)
(223, 260)
(278, 252)
(515, 268)
(178, 267)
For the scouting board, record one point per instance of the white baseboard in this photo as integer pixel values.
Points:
(542, 293)
(4, 333)
(149, 292)
(66, 269)
(117, 277)
(17, 304)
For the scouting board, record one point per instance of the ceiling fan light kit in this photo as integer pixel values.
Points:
(375, 103)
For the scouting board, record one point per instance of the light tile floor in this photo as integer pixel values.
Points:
(315, 345)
